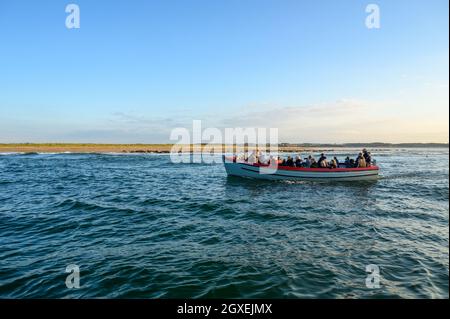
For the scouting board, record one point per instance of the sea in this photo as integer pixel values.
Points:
(141, 226)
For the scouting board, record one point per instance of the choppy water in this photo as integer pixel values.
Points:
(139, 226)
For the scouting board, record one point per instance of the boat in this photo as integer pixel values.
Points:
(235, 167)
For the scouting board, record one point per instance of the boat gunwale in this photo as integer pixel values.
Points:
(306, 169)
(317, 177)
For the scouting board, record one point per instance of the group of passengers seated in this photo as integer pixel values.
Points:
(364, 159)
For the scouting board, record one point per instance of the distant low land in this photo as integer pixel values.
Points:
(165, 148)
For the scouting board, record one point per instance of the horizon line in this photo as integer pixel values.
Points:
(250, 144)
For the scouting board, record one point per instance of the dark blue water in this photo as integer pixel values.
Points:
(139, 226)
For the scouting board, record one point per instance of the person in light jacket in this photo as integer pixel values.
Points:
(361, 161)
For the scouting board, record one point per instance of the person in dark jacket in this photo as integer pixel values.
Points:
(368, 158)
(298, 161)
(351, 163)
(290, 162)
(347, 162)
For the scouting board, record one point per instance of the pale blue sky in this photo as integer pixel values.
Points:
(137, 69)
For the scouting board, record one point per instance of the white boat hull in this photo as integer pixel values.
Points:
(292, 173)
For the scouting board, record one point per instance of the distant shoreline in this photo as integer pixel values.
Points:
(165, 148)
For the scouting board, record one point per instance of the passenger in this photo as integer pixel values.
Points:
(337, 161)
(368, 159)
(262, 159)
(360, 161)
(314, 164)
(347, 162)
(279, 160)
(290, 162)
(351, 163)
(333, 163)
(298, 161)
(252, 159)
(364, 152)
(274, 161)
(323, 161)
(307, 162)
(283, 162)
(357, 159)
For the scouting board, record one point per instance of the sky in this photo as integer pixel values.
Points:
(135, 70)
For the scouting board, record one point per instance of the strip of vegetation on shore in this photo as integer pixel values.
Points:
(165, 148)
